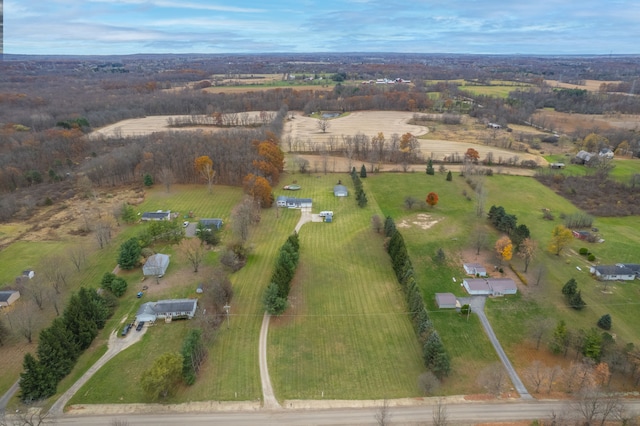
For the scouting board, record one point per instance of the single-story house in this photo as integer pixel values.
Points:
(157, 215)
(613, 272)
(299, 203)
(502, 286)
(476, 286)
(606, 153)
(490, 286)
(174, 309)
(474, 269)
(8, 297)
(446, 300)
(581, 235)
(156, 265)
(340, 191)
(211, 223)
(281, 201)
(635, 267)
(28, 273)
(583, 157)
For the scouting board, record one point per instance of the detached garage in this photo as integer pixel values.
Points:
(8, 298)
(446, 300)
(156, 265)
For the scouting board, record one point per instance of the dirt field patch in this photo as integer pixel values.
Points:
(565, 122)
(422, 221)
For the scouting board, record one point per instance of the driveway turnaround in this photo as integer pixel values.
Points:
(115, 346)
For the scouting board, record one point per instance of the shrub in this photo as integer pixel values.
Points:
(605, 322)
(583, 251)
(591, 257)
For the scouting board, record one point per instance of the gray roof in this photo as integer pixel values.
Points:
(156, 264)
(173, 307)
(155, 215)
(211, 222)
(477, 284)
(340, 189)
(445, 299)
(633, 266)
(5, 295)
(502, 284)
(618, 269)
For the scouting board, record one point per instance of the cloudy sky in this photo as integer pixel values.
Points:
(242, 26)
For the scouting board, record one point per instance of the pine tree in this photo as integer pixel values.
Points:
(273, 303)
(570, 288)
(558, 341)
(129, 254)
(363, 171)
(148, 180)
(605, 322)
(36, 382)
(576, 302)
(430, 170)
(449, 176)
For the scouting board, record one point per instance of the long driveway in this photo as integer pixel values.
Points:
(115, 346)
(477, 307)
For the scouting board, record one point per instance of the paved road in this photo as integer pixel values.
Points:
(115, 346)
(477, 307)
(458, 414)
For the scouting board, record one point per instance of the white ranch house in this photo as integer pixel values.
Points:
(294, 203)
(167, 310)
(490, 286)
(616, 272)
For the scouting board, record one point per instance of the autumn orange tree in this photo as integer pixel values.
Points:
(270, 160)
(432, 199)
(504, 248)
(204, 168)
(472, 155)
(259, 188)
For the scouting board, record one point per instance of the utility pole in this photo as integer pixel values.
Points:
(227, 307)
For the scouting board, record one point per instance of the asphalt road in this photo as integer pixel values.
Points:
(458, 414)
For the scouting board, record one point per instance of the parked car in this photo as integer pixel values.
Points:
(126, 329)
(140, 325)
(139, 295)
(185, 223)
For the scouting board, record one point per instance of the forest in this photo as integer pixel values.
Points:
(49, 105)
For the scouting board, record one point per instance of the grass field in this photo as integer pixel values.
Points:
(346, 334)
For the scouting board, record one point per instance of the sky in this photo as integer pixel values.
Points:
(120, 27)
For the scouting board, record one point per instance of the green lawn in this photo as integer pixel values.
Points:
(346, 334)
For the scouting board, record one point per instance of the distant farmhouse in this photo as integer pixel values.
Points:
(156, 265)
(211, 223)
(294, 203)
(620, 271)
(157, 215)
(167, 310)
(8, 297)
(490, 286)
(340, 191)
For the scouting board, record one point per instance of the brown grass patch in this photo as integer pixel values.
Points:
(422, 220)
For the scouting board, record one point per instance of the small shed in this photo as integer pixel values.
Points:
(28, 273)
(475, 269)
(446, 300)
(340, 191)
(156, 265)
(8, 297)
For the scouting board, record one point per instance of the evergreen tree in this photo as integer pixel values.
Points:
(435, 356)
(107, 279)
(129, 254)
(430, 170)
(36, 382)
(592, 346)
(57, 349)
(148, 180)
(273, 303)
(118, 287)
(558, 341)
(570, 288)
(363, 171)
(128, 213)
(449, 176)
(576, 302)
(193, 354)
(605, 322)
(389, 226)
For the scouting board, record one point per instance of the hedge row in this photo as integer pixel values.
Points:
(275, 298)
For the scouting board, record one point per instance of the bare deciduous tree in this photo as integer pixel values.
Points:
(323, 125)
(376, 223)
(439, 414)
(428, 383)
(493, 378)
(244, 214)
(78, 256)
(28, 415)
(24, 320)
(593, 406)
(382, 416)
(193, 251)
(55, 272)
(538, 327)
(167, 178)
